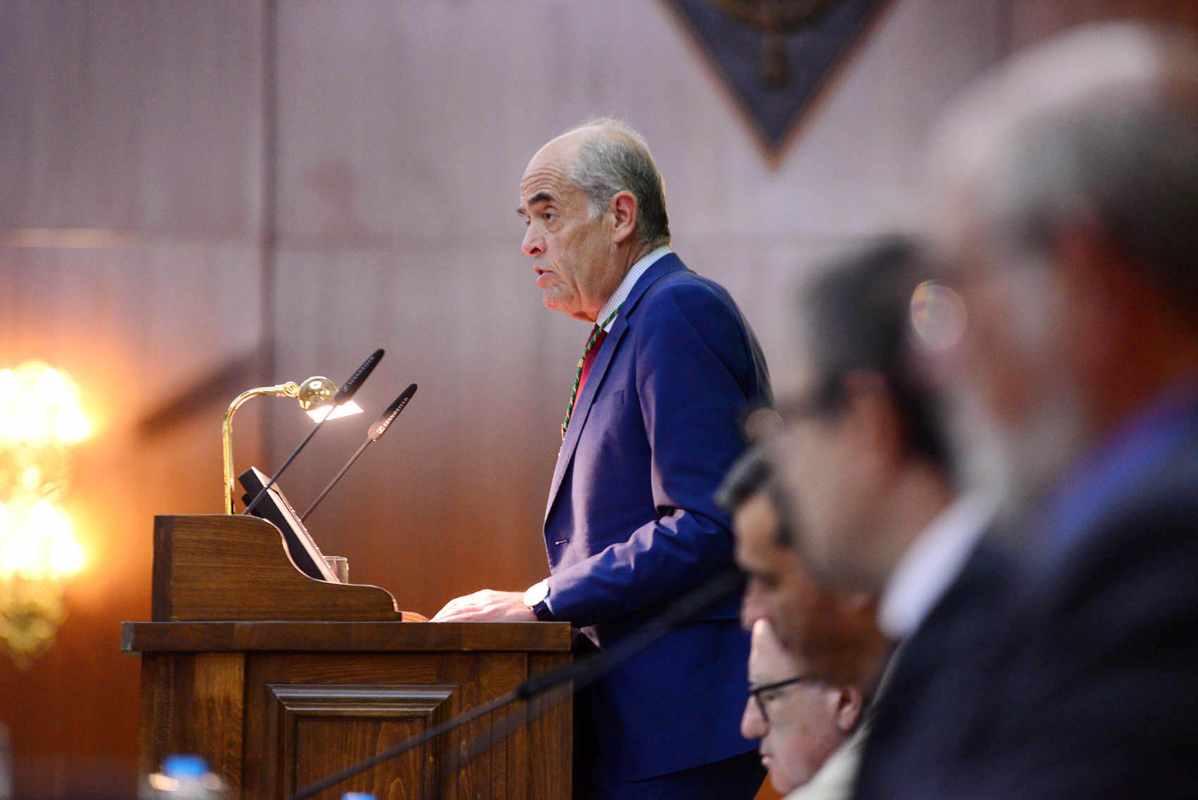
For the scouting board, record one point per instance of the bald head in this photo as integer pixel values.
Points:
(605, 156)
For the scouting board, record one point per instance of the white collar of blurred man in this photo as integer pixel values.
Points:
(804, 722)
(931, 563)
(607, 313)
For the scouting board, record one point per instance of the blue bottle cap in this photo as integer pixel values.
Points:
(184, 765)
(357, 796)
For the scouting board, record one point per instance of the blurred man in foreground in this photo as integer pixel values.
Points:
(806, 726)
(874, 504)
(1066, 213)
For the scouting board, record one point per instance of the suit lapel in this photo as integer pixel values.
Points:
(582, 408)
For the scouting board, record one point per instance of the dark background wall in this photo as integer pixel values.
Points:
(202, 197)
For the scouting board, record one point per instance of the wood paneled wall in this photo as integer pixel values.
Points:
(131, 157)
(199, 197)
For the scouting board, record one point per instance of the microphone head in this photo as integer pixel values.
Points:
(351, 386)
(394, 410)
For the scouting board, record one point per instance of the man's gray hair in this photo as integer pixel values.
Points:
(1098, 127)
(617, 159)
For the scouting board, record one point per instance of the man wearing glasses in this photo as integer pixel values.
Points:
(810, 731)
(801, 633)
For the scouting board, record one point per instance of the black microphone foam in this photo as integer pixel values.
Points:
(394, 410)
(351, 386)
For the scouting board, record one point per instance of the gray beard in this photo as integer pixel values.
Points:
(1020, 464)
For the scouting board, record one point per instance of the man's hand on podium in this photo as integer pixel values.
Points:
(486, 605)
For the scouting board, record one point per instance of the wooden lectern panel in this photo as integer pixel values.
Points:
(223, 566)
(279, 681)
(271, 721)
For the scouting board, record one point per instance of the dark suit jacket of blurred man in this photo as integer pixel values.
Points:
(631, 522)
(1088, 686)
(917, 726)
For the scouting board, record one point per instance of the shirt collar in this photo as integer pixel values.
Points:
(931, 563)
(625, 288)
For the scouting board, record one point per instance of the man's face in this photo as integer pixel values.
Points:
(779, 588)
(828, 469)
(1016, 420)
(573, 253)
(833, 633)
(806, 721)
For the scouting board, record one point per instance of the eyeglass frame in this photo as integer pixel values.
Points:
(755, 692)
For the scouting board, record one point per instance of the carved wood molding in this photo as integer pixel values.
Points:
(363, 710)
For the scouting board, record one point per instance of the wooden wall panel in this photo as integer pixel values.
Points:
(131, 114)
(130, 255)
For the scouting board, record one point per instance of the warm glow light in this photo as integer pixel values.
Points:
(37, 542)
(344, 410)
(39, 405)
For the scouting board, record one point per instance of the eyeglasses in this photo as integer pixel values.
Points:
(758, 693)
(823, 399)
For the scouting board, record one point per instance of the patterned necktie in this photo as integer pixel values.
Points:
(585, 362)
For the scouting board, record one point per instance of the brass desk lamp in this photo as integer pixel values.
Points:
(314, 396)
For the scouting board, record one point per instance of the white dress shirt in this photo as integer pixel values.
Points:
(931, 564)
(625, 288)
(835, 779)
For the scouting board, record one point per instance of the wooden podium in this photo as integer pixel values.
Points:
(279, 680)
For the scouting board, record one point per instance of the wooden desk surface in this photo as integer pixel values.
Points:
(378, 637)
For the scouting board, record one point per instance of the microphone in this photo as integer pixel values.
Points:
(375, 433)
(344, 394)
(580, 674)
(351, 386)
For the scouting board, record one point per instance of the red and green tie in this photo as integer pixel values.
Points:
(589, 353)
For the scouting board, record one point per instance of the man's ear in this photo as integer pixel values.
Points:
(872, 411)
(847, 709)
(625, 212)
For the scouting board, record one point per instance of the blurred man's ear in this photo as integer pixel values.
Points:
(873, 417)
(848, 708)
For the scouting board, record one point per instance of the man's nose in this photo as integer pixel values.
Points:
(752, 607)
(752, 726)
(534, 243)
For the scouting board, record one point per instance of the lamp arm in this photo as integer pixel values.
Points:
(289, 389)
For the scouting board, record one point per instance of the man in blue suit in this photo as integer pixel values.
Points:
(652, 424)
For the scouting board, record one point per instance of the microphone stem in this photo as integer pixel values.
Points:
(258, 499)
(336, 478)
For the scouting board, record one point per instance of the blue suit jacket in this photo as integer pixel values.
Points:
(632, 523)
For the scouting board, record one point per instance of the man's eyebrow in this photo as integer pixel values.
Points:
(540, 197)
